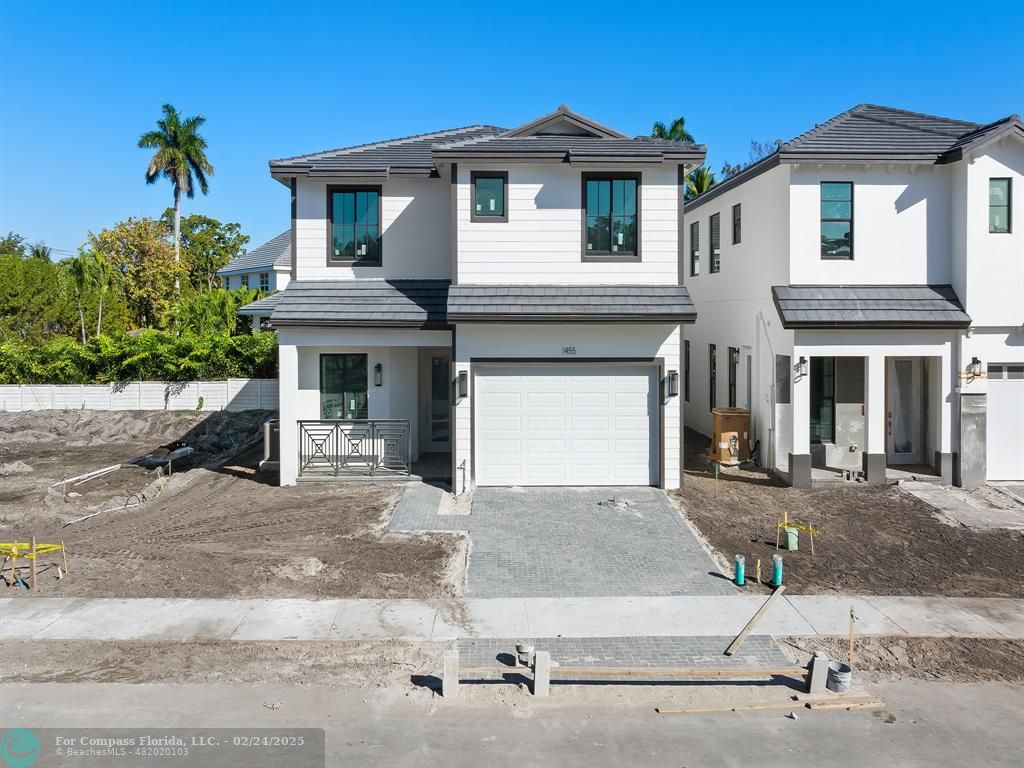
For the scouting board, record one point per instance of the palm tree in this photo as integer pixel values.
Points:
(676, 132)
(103, 275)
(40, 251)
(78, 269)
(699, 181)
(180, 153)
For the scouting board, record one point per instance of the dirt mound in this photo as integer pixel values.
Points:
(14, 468)
(951, 659)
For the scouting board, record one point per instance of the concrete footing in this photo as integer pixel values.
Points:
(800, 470)
(819, 673)
(874, 468)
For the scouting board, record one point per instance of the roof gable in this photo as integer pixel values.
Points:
(564, 122)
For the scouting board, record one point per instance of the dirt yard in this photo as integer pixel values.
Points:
(215, 528)
(872, 540)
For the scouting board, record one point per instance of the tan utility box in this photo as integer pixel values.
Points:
(730, 435)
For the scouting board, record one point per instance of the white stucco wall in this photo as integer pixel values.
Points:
(416, 230)
(543, 238)
(734, 305)
(299, 362)
(901, 226)
(545, 342)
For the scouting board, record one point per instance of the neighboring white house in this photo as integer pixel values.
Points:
(267, 267)
(509, 297)
(861, 289)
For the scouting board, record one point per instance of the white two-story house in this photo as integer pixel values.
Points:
(861, 290)
(508, 298)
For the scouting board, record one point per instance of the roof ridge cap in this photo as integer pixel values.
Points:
(918, 114)
(386, 142)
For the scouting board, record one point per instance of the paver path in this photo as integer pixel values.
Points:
(571, 542)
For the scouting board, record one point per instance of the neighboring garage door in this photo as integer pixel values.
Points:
(558, 424)
(1004, 428)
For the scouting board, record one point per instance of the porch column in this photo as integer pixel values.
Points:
(288, 389)
(800, 457)
(876, 422)
(945, 414)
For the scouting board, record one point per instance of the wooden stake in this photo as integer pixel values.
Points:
(812, 541)
(32, 568)
(64, 552)
(4, 565)
(758, 570)
(851, 637)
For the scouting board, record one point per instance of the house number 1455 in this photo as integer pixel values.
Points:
(568, 350)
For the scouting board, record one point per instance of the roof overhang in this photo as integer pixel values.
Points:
(869, 307)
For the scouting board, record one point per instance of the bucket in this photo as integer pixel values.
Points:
(792, 539)
(839, 677)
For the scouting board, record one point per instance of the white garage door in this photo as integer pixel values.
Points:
(1004, 427)
(556, 424)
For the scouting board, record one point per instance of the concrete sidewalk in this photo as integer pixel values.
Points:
(157, 619)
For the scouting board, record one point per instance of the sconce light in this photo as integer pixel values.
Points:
(974, 368)
(463, 388)
(673, 383)
(801, 366)
(378, 375)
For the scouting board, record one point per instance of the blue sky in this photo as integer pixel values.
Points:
(79, 82)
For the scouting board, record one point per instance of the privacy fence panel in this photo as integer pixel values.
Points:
(230, 395)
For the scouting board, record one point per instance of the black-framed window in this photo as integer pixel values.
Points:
(264, 281)
(737, 222)
(734, 364)
(837, 219)
(823, 399)
(695, 249)
(999, 198)
(611, 215)
(488, 192)
(354, 226)
(686, 370)
(712, 376)
(243, 281)
(715, 242)
(343, 385)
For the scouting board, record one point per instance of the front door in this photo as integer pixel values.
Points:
(904, 405)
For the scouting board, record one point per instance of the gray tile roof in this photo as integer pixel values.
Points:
(570, 148)
(869, 132)
(263, 306)
(869, 306)
(409, 153)
(631, 303)
(373, 303)
(276, 252)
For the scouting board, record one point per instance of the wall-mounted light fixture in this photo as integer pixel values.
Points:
(672, 383)
(463, 385)
(801, 367)
(974, 368)
(378, 375)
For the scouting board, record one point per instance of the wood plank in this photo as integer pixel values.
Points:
(738, 641)
(827, 705)
(765, 705)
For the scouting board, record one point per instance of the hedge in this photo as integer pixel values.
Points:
(147, 355)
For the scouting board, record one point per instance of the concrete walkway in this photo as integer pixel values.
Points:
(157, 619)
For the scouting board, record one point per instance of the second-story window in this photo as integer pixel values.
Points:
(611, 215)
(837, 220)
(695, 249)
(736, 223)
(264, 281)
(715, 226)
(999, 205)
(243, 282)
(489, 196)
(354, 229)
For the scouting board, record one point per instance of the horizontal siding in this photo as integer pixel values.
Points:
(542, 240)
(416, 232)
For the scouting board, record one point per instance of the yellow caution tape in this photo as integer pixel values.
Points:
(790, 524)
(23, 549)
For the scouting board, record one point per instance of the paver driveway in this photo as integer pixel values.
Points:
(584, 542)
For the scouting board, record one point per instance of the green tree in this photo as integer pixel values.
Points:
(12, 243)
(180, 154)
(103, 275)
(79, 272)
(148, 271)
(36, 301)
(207, 245)
(676, 131)
(699, 181)
(758, 150)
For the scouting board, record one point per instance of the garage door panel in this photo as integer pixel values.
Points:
(565, 424)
